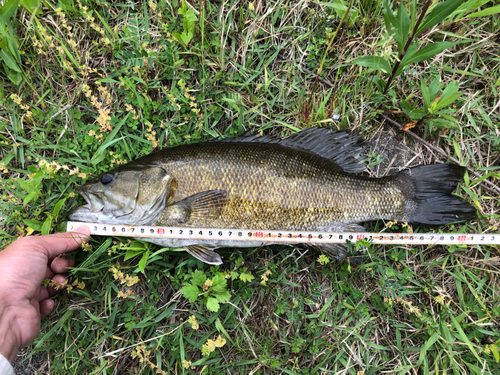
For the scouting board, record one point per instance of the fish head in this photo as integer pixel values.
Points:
(134, 196)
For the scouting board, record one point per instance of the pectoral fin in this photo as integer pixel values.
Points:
(205, 253)
(207, 204)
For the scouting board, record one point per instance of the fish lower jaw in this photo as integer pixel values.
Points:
(85, 214)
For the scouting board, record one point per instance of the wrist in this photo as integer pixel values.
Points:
(9, 343)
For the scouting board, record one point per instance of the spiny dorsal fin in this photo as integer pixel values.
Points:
(207, 204)
(340, 147)
(205, 253)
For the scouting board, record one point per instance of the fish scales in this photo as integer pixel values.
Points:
(274, 187)
(306, 182)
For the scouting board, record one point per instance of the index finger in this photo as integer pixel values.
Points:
(60, 243)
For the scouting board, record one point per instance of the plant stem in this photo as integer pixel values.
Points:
(408, 42)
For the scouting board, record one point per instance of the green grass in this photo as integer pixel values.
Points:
(102, 83)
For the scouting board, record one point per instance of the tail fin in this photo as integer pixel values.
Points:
(434, 204)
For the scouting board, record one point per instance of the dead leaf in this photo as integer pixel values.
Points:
(409, 125)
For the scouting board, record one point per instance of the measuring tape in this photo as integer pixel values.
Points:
(143, 231)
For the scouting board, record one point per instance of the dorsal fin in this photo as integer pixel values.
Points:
(340, 147)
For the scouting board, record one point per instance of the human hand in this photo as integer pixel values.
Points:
(24, 264)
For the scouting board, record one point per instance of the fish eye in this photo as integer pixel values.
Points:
(107, 178)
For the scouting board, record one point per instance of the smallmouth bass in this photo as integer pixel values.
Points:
(309, 181)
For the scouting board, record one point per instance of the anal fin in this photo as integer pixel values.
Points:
(354, 228)
(205, 253)
(339, 251)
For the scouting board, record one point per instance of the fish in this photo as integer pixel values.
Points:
(310, 181)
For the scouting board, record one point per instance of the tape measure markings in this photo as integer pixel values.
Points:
(219, 234)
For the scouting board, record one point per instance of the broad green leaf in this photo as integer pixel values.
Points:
(186, 37)
(198, 278)
(443, 123)
(402, 27)
(424, 53)
(223, 296)
(132, 253)
(143, 261)
(27, 185)
(219, 284)
(32, 195)
(190, 292)
(58, 206)
(179, 38)
(212, 304)
(46, 226)
(389, 18)
(425, 94)
(448, 96)
(374, 62)
(246, 277)
(8, 10)
(412, 50)
(438, 13)
(485, 12)
(445, 101)
(8, 59)
(413, 13)
(35, 224)
(190, 16)
(494, 350)
(450, 89)
(417, 114)
(434, 89)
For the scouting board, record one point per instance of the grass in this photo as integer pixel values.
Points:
(101, 83)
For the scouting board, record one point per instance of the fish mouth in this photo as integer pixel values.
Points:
(90, 211)
(94, 204)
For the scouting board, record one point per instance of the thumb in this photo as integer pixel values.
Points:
(59, 243)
